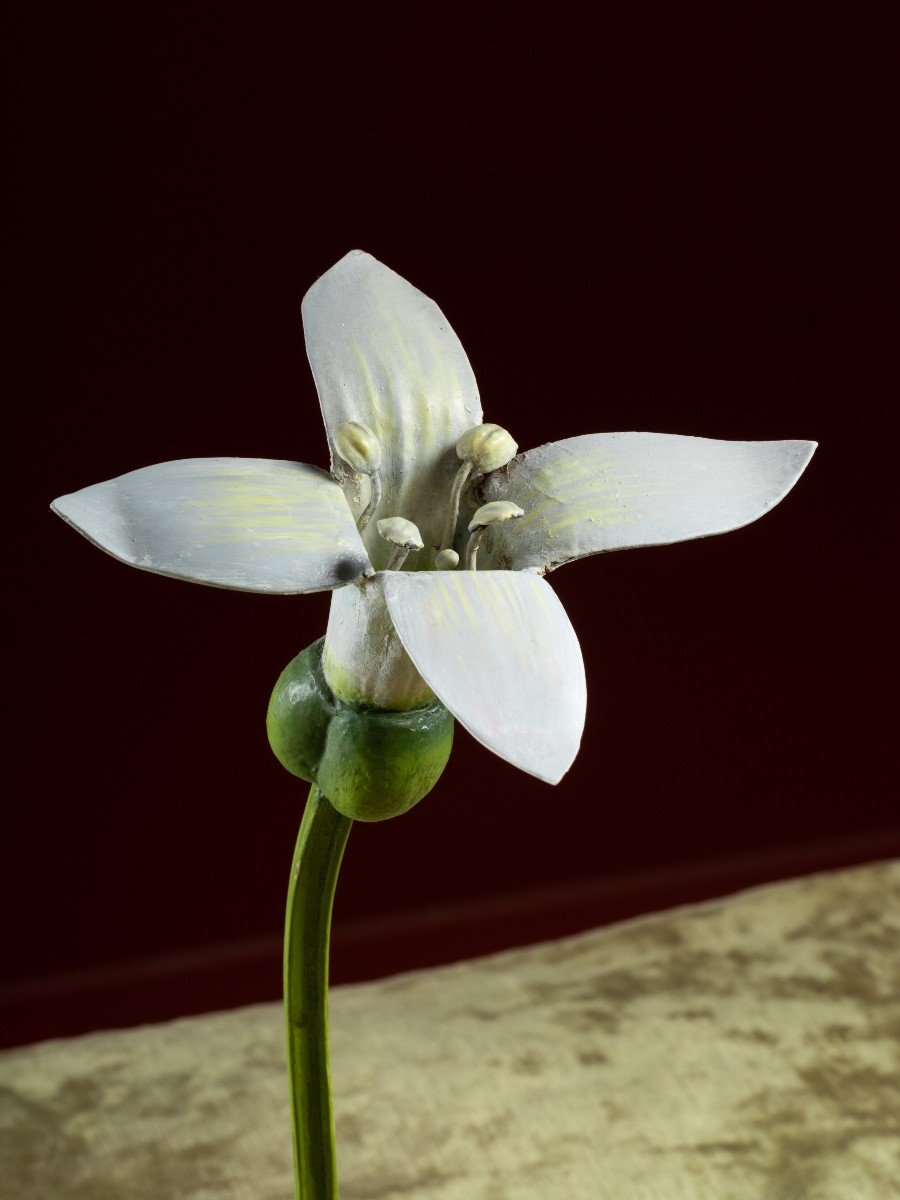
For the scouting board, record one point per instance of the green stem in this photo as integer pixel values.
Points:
(317, 859)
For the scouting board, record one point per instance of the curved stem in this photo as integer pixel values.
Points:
(472, 548)
(374, 500)
(460, 478)
(317, 859)
(398, 558)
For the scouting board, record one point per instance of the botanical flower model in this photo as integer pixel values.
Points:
(420, 609)
(434, 537)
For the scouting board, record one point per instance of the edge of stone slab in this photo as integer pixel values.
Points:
(889, 867)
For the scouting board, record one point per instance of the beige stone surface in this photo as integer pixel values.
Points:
(747, 1049)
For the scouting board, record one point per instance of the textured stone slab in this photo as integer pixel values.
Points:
(747, 1049)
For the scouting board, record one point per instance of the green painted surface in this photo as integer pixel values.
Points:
(371, 763)
(307, 935)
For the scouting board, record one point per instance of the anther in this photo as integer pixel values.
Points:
(360, 449)
(486, 447)
(402, 534)
(488, 514)
(483, 448)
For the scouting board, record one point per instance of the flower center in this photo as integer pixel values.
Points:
(482, 449)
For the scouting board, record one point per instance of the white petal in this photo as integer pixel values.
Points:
(500, 652)
(257, 525)
(383, 354)
(611, 491)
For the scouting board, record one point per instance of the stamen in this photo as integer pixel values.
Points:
(374, 500)
(483, 448)
(487, 447)
(398, 558)
(402, 534)
(488, 514)
(360, 449)
(472, 548)
(462, 475)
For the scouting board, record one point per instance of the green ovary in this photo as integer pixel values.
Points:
(371, 763)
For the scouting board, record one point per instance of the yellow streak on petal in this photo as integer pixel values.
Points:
(598, 515)
(377, 419)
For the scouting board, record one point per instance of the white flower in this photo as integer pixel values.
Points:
(397, 393)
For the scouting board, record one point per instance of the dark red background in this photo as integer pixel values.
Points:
(673, 219)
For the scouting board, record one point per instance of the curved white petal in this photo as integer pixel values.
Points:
(383, 354)
(257, 525)
(611, 491)
(500, 652)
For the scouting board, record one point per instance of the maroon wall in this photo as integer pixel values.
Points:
(663, 222)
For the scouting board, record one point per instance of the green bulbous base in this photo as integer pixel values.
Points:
(371, 763)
